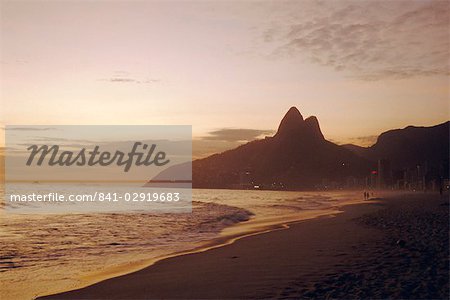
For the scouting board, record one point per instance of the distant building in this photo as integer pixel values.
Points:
(384, 178)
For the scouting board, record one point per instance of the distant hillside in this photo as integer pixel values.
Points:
(411, 146)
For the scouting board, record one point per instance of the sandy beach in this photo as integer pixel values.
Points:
(396, 247)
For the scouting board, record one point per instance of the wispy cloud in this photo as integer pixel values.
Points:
(125, 77)
(364, 140)
(129, 80)
(236, 134)
(29, 128)
(225, 139)
(369, 40)
(58, 140)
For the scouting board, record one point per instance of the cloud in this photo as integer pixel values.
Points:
(364, 140)
(29, 128)
(120, 79)
(124, 77)
(129, 80)
(59, 139)
(236, 135)
(369, 40)
(225, 139)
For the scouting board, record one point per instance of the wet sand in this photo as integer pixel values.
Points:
(397, 247)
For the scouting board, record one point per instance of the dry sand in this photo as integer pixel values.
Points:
(395, 248)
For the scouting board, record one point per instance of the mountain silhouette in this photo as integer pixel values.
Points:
(299, 157)
(411, 147)
(296, 157)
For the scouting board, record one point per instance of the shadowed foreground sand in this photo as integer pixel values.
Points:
(396, 248)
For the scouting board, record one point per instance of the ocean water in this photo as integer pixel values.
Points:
(51, 252)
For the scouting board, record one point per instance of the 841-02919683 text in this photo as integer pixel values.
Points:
(98, 196)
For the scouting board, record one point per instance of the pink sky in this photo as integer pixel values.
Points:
(361, 67)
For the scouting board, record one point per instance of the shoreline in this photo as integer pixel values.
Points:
(224, 240)
(228, 236)
(298, 260)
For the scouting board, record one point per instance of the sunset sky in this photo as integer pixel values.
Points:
(229, 69)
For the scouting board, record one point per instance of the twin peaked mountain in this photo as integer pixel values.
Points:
(298, 157)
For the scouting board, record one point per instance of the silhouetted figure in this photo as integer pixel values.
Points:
(440, 191)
